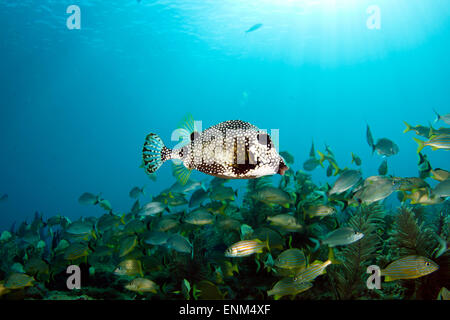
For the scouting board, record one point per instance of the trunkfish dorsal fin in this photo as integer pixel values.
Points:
(187, 130)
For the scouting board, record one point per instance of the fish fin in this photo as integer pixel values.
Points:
(180, 172)
(388, 279)
(154, 153)
(434, 148)
(285, 205)
(401, 196)
(187, 129)
(408, 127)
(317, 242)
(312, 153)
(421, 144)
(331, 256)
(322, 165)
(266, 243)
(438, 116)
(258, 265)
(336, 168)
(322, 158)
(122, 218)
(421, 159)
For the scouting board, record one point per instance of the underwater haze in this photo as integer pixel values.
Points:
(77, 104)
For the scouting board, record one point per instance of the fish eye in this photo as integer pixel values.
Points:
(194, 135)
(427, 264)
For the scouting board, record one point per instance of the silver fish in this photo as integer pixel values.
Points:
(386, 147)
(136, 192)
(80, 228)
(156, 238)
(377, 190)
(200, 216)
(345, 181)
(197, 198)
(152, 208)
(190, 185)
(342, 236)
(3, 198)
(254, 27)
(442, 189)
(89, 198)
(369, 137)
(445, 118)
(179, 243)
(383, 168)
(311, 164)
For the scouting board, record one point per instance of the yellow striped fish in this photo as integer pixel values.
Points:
(291, 259)
(246, 248)
(288, 286)
(410, 267)
(319, 211)
(444, 294)
(76, 251)
(314, 270)
(440, 174)
(130, 267)
(18, 281)
(436, 142)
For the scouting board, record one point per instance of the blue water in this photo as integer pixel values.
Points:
(76, 105)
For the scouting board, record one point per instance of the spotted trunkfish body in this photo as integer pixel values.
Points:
(232, 150)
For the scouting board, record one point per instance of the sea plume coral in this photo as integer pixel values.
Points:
(350, 276)
(408, 237)
(413, 234)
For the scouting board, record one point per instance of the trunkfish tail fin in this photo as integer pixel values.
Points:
(154, 153)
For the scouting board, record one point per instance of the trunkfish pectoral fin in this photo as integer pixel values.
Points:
(180, 172)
